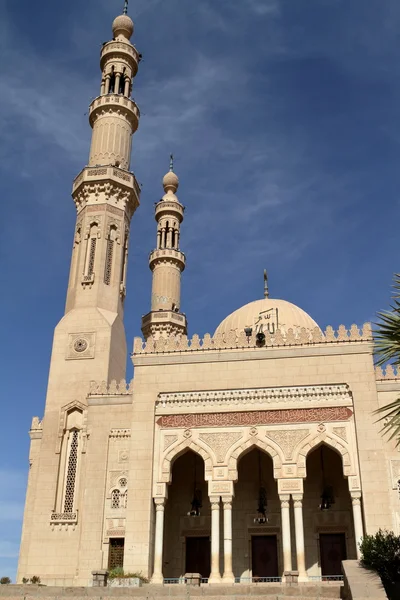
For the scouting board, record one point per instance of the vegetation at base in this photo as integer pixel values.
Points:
(5, 580)
(34, 579)
(387, 351)
(119, 573)
(381, 552)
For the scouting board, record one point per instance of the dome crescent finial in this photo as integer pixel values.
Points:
(266, 290)
(126, 7)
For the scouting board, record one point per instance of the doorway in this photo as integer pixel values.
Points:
(264, 556)
(198, 556)
(332, 550)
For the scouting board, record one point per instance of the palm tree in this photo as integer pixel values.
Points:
(387, 350)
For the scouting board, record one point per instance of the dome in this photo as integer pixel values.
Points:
(123, 25)
(170, 182)
(266, 314)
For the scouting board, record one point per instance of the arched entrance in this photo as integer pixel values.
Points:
(187, 519)
(327, 513)
(256, 519)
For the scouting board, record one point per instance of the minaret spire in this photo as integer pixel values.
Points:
(167, 263)
(125, 7)
(266, 291)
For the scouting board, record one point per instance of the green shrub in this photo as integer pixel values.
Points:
(381, 552)
(118, 572)
(35, 579)
(5, 580)
(25, 580)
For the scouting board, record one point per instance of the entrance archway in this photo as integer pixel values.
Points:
(256, 544)
(187, 519)
(327, 514)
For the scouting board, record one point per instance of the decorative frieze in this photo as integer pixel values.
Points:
(389, 372)
(102, 388)
(260, 417)
(302, 337)
(120, 433)
(339, 394)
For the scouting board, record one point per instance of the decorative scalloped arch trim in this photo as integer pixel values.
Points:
(269, 448)
(62, 423)
(178, 450)
(324, 438)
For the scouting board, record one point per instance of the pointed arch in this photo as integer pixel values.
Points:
(180, 448)
(269, 448)
(341, 448)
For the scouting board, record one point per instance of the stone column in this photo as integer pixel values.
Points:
(358, 522)
(215, 576)
(286, 541)
(127, 84)
(159, 541)
(299, 530)
(107, 84)
(228, 576)
(117, 81)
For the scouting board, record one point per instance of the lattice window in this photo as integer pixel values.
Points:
(115, 499)
(116, 553)
(71, 474)
(92, 254)
(108, 264)
(123, 482)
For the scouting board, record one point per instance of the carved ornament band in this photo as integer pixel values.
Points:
(259, 417)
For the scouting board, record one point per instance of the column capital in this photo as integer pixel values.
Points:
(160, 503)
(285, 500)
(356, 498)
(227, 501)
(215, 502)
(297, 500)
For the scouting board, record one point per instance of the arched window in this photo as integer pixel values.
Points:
(115, 499)
(112, 81)
(72, 462)
(109, 254)
(124, 264)
(122, 82)
(91, 253)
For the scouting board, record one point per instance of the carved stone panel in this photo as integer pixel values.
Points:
(341, 432)
(287, 439)
(169, 440)
(220, 442)
(80, 346)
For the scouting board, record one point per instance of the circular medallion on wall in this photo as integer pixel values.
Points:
(80, 345)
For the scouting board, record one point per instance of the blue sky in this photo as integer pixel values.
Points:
(283, 116)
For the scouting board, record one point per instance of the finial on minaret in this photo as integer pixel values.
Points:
(171, 162)
(126, 7)
(266, 292)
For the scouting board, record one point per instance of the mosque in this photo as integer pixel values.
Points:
(248, 455)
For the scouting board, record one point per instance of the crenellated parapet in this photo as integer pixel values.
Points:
(102, 388)
(302, 337)
(390, 372)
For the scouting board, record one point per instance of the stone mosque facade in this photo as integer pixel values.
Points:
(248, 455)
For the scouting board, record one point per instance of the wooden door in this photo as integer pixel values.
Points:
(333, 551)
(116, 553)
(198, 556)
(264, 556)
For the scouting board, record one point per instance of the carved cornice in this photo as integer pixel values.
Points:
(270, 395)
(230, 340)
(261, 417)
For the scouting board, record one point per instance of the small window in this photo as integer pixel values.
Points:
(115, 499)
(116, 553)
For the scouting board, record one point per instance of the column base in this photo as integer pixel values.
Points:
(291, 577)
(228, 578)
(157, 578)
(215, 578)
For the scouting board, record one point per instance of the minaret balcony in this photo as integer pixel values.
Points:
(115, 103)
(167, 255)
(105, 176)
(169, 207)
(120, 50)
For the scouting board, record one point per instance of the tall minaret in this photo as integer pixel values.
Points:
(89, 342)
(167, 263)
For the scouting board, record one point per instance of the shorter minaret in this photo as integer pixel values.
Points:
(167, 263)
